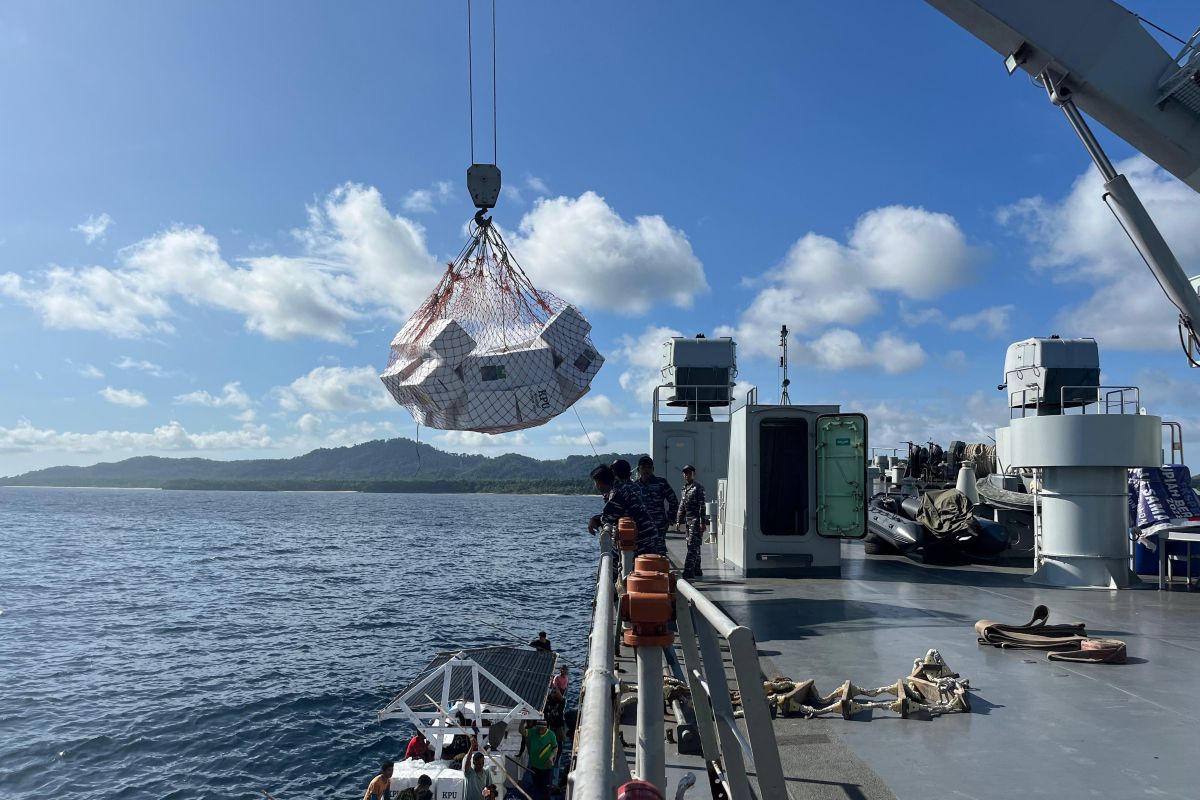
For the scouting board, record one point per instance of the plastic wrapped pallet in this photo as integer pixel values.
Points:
(489, 352)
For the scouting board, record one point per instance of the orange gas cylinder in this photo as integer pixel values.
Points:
(627, 533)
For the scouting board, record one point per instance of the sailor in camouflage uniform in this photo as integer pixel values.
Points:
(693, 515)
(624, 475)
(622, 499)
(658, 496)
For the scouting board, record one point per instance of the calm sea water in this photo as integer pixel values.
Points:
(217, 644)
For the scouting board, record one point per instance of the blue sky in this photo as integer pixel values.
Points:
(215, 215)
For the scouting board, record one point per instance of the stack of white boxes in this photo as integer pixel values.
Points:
(450, 384)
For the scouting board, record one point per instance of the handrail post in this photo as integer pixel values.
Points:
(692, 667)
(646, 607)
(744, 653)
(722, 706)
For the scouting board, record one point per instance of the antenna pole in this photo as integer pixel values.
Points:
(784, 400)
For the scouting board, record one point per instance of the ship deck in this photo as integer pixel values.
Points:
(1038, 728)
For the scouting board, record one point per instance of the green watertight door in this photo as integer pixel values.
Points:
(842, 476)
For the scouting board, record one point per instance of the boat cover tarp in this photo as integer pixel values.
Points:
(945, 513)
(525, 671)
(1162, 498)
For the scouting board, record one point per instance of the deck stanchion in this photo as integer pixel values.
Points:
(647, 607)
(651, 759)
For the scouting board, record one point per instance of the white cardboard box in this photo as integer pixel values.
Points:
(566, 331)
(509, 370)
(580, 366)
(541, 401)
(440, 383)
(450, 341)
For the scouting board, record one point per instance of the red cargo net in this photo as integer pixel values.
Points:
(488, 351)
(485, 291)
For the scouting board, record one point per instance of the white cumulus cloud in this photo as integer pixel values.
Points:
(581, 249)
(600, 405)
(1076, 239)
(123, 397)
(172, 436)
(992, 321)
(149, 367)
(90, 371)
(643, 357)
(336, 389)
(839, 348)
(597, 439)
(473, 440)
(357, 260)
(94, 227)
(911, 252)
(425, 201)
(231, 396)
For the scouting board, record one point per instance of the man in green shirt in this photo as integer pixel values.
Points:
(542, 745)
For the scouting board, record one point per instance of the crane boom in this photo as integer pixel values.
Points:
(1113, 67)
(1095, 55)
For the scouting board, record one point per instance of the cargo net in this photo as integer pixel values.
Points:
(487, 351)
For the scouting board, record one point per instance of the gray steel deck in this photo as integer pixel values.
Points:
(1037, 728)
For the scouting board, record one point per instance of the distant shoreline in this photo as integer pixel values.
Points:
(527, 488)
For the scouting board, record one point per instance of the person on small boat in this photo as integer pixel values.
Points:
(380, 787)
(560, 681)
(555, 713)
(475, 774)
(622, 500)
(660, 498)
(694, 517)
(418, 748)
(422, 791)
(541, 642)
(542, 746)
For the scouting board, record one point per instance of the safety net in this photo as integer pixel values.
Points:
(488, 351)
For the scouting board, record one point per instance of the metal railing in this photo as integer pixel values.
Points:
(592, 771)
(1116, 397)
(660, 409)
(1181, 82)
(1112, 399)
(722, 742)
(1175, 431)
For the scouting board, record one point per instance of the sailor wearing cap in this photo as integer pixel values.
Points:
(659, 497)
(693, 516)
(622, 499)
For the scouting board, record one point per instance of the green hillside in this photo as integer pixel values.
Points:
(381, 465)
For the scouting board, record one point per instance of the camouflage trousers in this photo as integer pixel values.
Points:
(694, 537)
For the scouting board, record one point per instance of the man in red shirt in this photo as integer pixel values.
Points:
(418, 746)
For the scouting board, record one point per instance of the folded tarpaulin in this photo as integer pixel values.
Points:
(1161, 498)
(946, 513)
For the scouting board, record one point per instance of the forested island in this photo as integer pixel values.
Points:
(391, 465)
